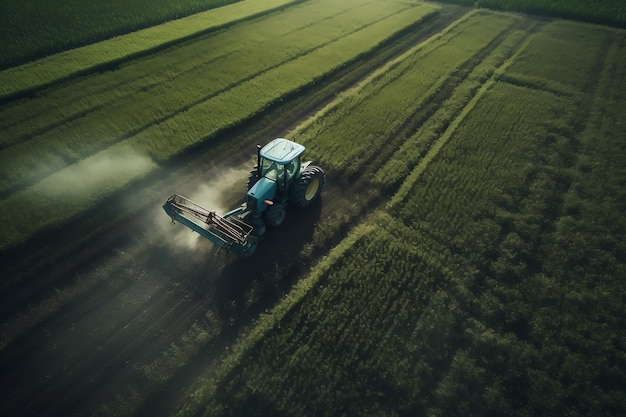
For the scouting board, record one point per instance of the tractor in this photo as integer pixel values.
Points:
(279, 179)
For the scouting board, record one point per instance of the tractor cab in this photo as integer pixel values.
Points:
(279, 161)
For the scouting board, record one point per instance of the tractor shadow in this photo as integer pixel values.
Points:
(247, 286)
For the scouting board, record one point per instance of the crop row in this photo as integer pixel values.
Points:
(484, 290)
(353, 130)
(196, 124)
(327, 358)
(18, 80)
(203, 58)
(53, 139)
(519, 130)
(31, 29)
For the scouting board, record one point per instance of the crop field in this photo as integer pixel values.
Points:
(42, 147)
(467, 256)
(31, 29)
(610, 12)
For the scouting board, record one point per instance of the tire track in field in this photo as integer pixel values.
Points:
(116, 351)
(416, 119)
(456, 119)
(91, 147)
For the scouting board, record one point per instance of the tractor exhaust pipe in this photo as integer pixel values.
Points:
(258, 160)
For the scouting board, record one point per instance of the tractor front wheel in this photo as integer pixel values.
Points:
(308, 187)
(275, 215)
(256, 221)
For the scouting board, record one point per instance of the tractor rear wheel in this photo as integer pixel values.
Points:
(275, 215)
(308, 187)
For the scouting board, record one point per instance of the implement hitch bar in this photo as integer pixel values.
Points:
(228, 232)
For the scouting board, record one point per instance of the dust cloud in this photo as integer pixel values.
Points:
(98, 175)
(220, 194)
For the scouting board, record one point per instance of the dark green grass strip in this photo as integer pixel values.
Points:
(31, 29)
(606, 12)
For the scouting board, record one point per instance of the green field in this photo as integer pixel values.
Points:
(154, 120)
(467, 256)
(32, 29)
(491, 283)
(25, 79)
(608, 12)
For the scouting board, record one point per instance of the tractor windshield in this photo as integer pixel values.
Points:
(293, 168)
(272, 170)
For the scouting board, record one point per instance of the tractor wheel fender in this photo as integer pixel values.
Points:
(305, 165)
(308, 187)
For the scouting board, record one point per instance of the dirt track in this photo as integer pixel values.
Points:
(88, 310)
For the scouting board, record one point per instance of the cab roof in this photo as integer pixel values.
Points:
(281, 151)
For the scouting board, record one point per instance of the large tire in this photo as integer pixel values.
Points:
(274, 215)
(248, 248)
(308, 187)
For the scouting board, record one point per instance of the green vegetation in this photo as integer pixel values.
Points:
(165, 119)
(488, 279)
(104, 55)
(563, 65)
(609, 12)
(351, 132)
(31, 29)
(195, 84)
(492, 285)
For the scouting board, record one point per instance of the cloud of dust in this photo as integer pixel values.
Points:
(220, 194)
(97, 175)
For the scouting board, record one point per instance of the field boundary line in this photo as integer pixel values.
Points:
(26, 78)
(407, 185)
(440, 92)
(433, 151)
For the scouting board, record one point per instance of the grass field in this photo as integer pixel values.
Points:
(33, 29)
(467, 256)
(446, 302)
(22, 80)
(154, 121)
(607, 12)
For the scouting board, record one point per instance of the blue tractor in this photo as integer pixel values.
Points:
(279, 179)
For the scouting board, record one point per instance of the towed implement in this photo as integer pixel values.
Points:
(279, 179)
